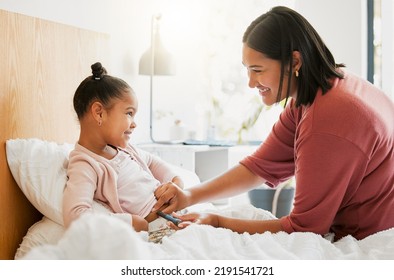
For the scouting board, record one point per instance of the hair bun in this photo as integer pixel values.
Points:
(98, 71)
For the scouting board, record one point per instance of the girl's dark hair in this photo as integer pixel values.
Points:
(281, 31)
(98, 87)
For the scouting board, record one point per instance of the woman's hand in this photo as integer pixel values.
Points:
(178, 181)
(195, 218)
(170, 198)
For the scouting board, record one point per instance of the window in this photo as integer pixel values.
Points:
(381, 45)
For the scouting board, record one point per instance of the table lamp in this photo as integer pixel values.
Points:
(156, 60)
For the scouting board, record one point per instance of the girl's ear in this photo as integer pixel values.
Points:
(97, 110)
(297, 60)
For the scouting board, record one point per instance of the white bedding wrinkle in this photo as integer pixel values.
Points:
(104, 237)
(96, 236)
(45, 231)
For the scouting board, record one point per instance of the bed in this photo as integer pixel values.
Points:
(42, 63)
(37, 132)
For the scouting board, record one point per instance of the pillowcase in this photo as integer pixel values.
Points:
(40, 169)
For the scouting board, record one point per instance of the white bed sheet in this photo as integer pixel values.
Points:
(104, 237)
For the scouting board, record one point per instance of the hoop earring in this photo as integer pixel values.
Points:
(296, 73)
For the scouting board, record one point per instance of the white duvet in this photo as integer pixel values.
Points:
(105, 237)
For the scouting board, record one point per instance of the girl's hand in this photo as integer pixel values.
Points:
(195, 218)
(170, 198)
(139, 223)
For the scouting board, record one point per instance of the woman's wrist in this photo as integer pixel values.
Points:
(188, 198)
(178, 181)
(215, 220)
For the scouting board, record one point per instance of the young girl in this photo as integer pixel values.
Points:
(103, 166)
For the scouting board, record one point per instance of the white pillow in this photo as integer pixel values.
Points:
(40, 169)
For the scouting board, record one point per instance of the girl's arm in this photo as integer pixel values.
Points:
(160, 169)
(139, 223)
(79, 192)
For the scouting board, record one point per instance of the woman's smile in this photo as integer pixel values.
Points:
(264, 91)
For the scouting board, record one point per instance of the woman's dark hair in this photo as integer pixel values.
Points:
(281, 31)
(98, 87)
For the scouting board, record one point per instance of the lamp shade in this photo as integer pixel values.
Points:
(164, 63)
(155, 61)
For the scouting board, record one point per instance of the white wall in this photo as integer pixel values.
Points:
(205, 36)
(190, 29)
(127, 22)
(85, 14)
(343, 27)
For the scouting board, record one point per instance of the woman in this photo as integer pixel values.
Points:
(336, 135)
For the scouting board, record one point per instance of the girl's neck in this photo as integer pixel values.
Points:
(106, 151)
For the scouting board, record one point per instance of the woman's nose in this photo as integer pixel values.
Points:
(252, 81)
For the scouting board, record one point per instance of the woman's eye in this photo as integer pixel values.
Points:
(254, 70)
(130, 114)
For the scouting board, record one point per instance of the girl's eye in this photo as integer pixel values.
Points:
(130, 114)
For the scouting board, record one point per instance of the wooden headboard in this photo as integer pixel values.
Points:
(41, 65)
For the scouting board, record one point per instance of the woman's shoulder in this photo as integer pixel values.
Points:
(349, 109)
